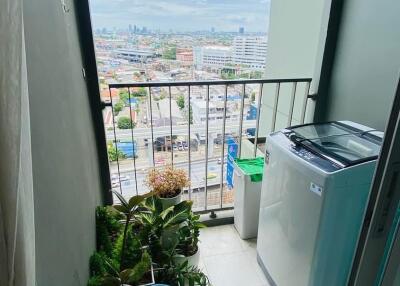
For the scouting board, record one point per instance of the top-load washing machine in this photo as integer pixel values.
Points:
(315, 188)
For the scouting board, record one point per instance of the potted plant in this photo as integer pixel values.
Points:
(187, 249)
(107, 273)
(128, 263)
(158, 227)
(181, 275)
(176, 229)
(167, 184)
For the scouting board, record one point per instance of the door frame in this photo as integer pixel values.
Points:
(377, 238)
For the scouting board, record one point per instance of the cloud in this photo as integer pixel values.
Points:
(182, 14)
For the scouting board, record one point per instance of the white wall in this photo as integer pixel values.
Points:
(294, 40)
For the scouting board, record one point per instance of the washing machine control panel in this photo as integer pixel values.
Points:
(314, 159)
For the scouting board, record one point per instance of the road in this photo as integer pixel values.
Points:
(145, 133)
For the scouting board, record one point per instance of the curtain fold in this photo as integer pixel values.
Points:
(17, 228)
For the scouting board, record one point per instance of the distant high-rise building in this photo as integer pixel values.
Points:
(134, 29)
(212, 29)
(130, 29)
(144, 30)
(250, 51)
(241, 30)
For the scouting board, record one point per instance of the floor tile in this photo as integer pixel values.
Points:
(252, 254)
(219, 240)
(235, 269)
(228, 260)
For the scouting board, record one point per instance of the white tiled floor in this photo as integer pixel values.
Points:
(228, 260)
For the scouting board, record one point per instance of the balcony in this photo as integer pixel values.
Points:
(199, 126)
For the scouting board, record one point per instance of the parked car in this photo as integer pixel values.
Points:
(219, 161)
(180, 146)
(185, 145)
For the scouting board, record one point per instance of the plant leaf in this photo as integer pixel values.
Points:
(180, 213)
(165, 212)
(121, 198)
(147, 218)
(110, 281)
(124, 275)
(135, 201)
(121, 208)
(113, 270)
(200, 225)
(169, 239)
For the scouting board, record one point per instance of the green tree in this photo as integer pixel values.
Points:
(170, 53)
(124, 96)
(112, 153)
(256, 74)
(118, 107)
(228, 75)
(253, 96)
(180, 101)
(140, 92)
(125, 123)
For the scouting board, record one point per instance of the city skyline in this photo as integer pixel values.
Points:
(182, 15)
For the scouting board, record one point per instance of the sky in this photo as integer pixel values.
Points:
(182, 15)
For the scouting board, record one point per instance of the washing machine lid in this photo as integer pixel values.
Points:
(342, 143)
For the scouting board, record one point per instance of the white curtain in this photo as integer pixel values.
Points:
(17, 229)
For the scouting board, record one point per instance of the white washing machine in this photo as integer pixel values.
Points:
(316, 183)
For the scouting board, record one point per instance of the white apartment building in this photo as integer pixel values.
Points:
(250, 51)
(212, 56)
(215, 111)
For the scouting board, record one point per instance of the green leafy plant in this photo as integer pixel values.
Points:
(190, 274)
(182, 275)
(141, 232)
(129, 209)
(107, 228)
(113, 153)
(124, 96)
(129, 276)
(117, 108)
(125, 123)
(160, 227)
(95, 281)
(140, 92)
(133, 250)
(189, 235)
(97, 264)
(180, 101)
